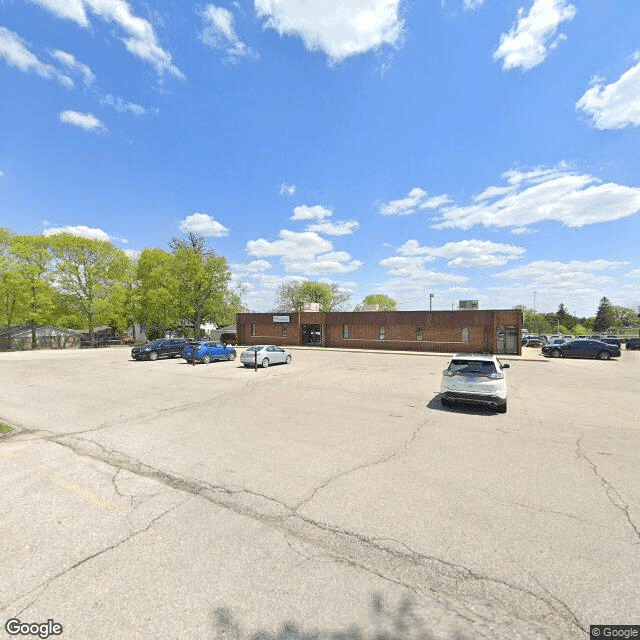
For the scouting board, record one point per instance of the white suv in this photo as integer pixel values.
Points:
(475, 379)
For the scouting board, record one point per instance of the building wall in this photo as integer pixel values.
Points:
(442, 331)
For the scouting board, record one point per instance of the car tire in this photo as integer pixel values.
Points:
(153, 355)
(231, 357)
(265, 363)
(604, 355)
(288, 359)
(446, 402)
(502, 408)
(206, 358)
(556, 353)
(248, 365)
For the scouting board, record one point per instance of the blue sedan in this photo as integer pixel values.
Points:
(207, 352)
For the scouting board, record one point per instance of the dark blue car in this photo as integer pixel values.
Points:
(207, 352)
(582, 349)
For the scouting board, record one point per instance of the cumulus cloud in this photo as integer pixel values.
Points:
(92, 233)
(416, 200)
(338, 228)
(74, 66)
(472, 5)
(527, 43)
(86, 121)
(16, 53)
(304, 252)
(539, 194)
(140, 38)
(337, 28)
(203, 224)
(219, 33)
(317, 212)
(255, 267)
(635, 273)
(465, 253)
(287, 189)
(615, 105)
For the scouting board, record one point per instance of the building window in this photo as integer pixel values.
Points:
(253, 329)
(465, 334)
(382, 336)
(284, 330)
(345, 331)
(420, 333)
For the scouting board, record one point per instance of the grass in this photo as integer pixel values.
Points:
(4, 428)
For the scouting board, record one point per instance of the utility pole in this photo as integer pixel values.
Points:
(430, 299)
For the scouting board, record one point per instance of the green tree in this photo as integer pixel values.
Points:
(13, 288)
(287, 296)
(604, 315)
(85, 271)
(202, 280)
(33, 259)
(384, 302)
(314, 292)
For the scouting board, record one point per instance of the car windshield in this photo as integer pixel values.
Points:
(257, 347)
(472, 367)
(155, 343)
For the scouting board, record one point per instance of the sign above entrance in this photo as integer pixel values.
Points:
(282, 318)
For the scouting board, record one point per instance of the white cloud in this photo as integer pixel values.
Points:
(140, 38)
(122, 106)
(304, 252)
(417, 199)
(255, 267)
(529, 40)
(340, 228)
(466, 253)
(541, 194)
(17, 54)
(86, 121)
(1, 174)
(633, 274)
(219, 33)
(337, 28)
(546, 275)
(287, 189)
(522, 231)
(317, 212)
(82, 231)
(74, 66)
(203, 224)
(615, 105)
(472, 5)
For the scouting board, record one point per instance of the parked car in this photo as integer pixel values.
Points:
(475, 379)
(633, 343)
(610, 340)
(533, 342)
(582, 349)
(207, 352)
(229, 338)
(266, 354)
(163, 348)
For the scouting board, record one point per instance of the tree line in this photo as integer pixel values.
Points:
(608, 317)
(73, 282)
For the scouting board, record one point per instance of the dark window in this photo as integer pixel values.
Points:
(465, 334)
(420, 333)
(253, 329)
(284, 330)
(382, 332)
(345, 331)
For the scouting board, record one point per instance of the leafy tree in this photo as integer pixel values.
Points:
(33, 259)
(623, 316)
(604, 315)
(202, 278)
(292, 295)
(317, 292)
(384, 302)
(287, 296)
(85, 270)
(339, 297)
(13, 289)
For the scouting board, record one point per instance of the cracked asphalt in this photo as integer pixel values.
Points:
(331, 498)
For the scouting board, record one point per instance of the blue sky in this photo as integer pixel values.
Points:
(466, 148)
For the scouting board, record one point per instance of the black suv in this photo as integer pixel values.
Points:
(164, 348)
(633, 343)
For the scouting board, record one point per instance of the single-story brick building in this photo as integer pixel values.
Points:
(487, 331)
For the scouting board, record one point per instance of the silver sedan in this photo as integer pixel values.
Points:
(265, 354)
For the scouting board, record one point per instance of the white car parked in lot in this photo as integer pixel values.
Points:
(475, 379)
(265, 354)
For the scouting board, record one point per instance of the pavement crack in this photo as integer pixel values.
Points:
(612, 494)
(396, 452)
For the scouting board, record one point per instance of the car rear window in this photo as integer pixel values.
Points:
(474, 367)
(256, 348)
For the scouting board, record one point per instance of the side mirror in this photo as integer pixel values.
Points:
(506, 366)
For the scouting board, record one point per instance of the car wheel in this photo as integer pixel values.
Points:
(206, 358)
(248, 365)
(502, 408)
(231, 356)
(446, 402)
(153, 355)
(556, 353)
(265, 363)
(604, 355)
(288, 359)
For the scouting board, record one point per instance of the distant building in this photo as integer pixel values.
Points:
(19, 338)
(475, 331)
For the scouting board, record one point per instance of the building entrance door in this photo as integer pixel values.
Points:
(312, 335)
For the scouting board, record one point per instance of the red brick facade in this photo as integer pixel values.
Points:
(440, 331)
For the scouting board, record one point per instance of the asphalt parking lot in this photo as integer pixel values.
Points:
(332, 496)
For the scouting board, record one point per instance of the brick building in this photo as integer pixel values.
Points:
(490, 331)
